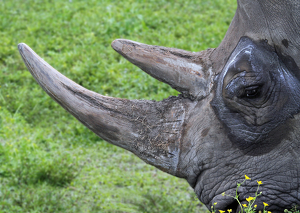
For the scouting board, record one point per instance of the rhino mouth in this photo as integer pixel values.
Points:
(228, 203)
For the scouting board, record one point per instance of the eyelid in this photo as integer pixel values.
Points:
(252, 87)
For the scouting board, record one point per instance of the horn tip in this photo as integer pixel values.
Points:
(21, 46)
(24, 49)
(117, 45)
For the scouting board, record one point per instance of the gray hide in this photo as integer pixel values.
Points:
(237, 112)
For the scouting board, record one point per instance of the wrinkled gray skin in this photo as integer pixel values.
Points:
(237, 113)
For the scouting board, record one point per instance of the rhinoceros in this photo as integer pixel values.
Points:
(237, 113)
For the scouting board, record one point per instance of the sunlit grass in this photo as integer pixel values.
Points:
(49, 161)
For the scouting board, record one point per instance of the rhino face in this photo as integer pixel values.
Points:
(237, 114)
(253, 124)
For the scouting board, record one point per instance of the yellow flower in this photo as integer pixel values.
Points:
(259, 182)
(255, 206)
(229, 210)
(221, 211)
(215, 203)
(269, 212)
(245, 205)
(247, 178)
(265, 204)
(249, 199)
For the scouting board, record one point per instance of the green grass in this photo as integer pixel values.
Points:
(49, 161)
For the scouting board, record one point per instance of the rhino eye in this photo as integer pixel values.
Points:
(251, 92)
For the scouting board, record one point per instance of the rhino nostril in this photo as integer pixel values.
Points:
(234, 206)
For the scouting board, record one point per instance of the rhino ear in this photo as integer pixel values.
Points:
(151, 130)
(188, 72)
(276, 22)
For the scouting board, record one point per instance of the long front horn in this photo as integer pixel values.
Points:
(149, 129)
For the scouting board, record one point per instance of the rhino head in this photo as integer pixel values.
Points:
(237, 112)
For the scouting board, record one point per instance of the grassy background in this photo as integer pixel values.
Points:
(49, 162)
